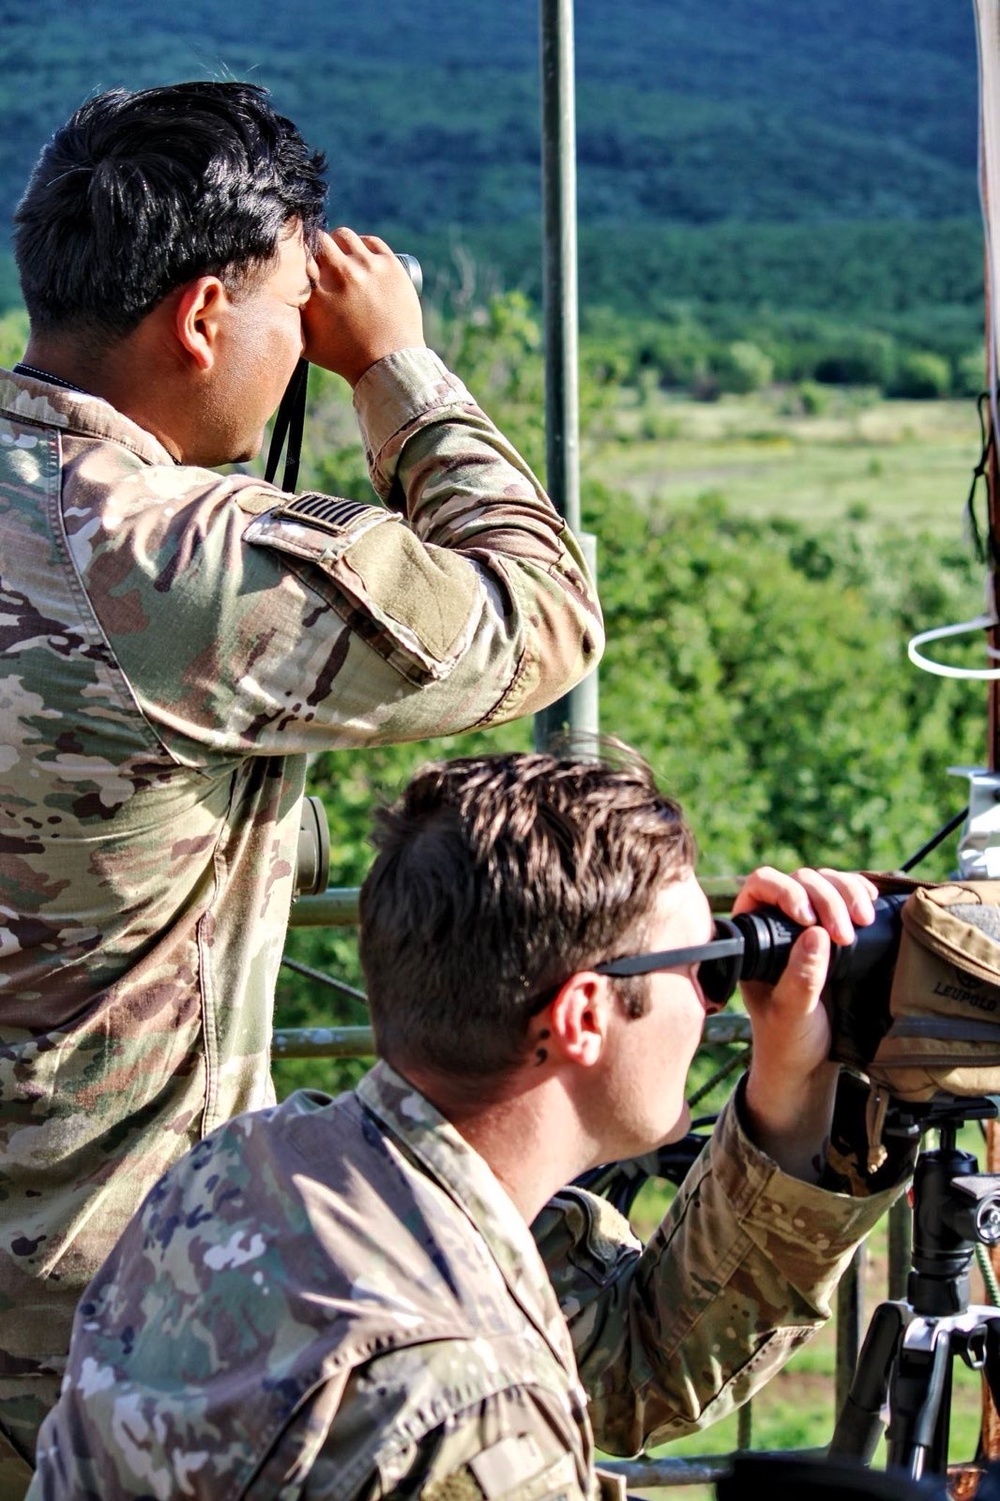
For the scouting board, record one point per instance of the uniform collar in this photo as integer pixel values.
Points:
(447, 1157)
(23, 398)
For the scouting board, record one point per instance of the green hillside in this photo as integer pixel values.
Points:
(752, 161)
(688, 113)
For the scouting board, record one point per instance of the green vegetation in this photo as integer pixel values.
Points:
(811, 454)
(780, 160)
(429, 112)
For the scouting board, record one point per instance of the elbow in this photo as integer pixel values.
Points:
(565, 647)
(551, 622)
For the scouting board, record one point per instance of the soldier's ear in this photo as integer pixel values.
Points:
(578, 1019)
(199, 311)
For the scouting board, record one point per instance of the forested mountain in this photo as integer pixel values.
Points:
(688, 112)
(691, 114)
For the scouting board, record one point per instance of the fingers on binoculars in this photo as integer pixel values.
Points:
(349, 242)
(767, 886)
(835, 899)
(858, 892)
(839, 899)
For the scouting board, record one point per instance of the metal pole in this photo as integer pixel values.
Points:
(559, 263)
(850, 1320)
(577, 711)
(986, 44)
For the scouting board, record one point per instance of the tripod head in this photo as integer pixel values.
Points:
(905, 1365)
(954, 1205)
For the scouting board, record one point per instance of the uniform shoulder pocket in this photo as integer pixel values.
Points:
(513, 1469)
(416, 605)
(580, 1232)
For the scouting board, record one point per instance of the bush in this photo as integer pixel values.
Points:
(857, 359)
(921, 376)
(970, 373)
(814, 400)
(741, 367)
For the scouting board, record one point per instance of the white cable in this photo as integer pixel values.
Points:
(981, 674)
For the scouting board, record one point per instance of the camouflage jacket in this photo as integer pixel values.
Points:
(337, 1300)
(175, 643)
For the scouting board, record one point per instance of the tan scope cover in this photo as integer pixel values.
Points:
(944, 1000)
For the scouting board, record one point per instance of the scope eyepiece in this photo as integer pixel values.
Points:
(767, 937)
(719, 978)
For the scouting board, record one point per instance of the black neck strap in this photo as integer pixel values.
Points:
(53, 380)
(289, 423)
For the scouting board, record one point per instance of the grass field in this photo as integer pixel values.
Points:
(818, 455)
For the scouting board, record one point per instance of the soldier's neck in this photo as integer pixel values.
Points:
(529, 1136)
(123, 372)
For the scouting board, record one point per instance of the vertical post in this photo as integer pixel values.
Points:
(900, 1248)
(987, 40)
(577, 710)
(850, 1319)
(993, 506)
(990, 1428)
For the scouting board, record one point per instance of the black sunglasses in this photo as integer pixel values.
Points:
(719, 962)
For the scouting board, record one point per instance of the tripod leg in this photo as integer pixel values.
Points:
(991, 1364)
(919, 1396)
(859, 1425)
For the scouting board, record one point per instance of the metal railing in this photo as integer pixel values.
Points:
(338, 908)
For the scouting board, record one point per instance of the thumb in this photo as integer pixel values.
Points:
(806, 971)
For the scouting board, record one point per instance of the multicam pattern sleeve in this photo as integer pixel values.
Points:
(310, 623)
(672, 1336)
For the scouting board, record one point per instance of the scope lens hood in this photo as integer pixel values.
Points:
(719, 978)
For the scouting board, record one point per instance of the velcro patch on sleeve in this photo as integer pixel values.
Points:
(426, 597)
(318, 527)
(416, 605)
(579, 1232)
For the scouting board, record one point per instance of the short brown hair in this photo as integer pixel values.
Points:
(496, 878)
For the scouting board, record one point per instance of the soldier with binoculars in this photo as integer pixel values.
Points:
(178, 641)
(341, 1298)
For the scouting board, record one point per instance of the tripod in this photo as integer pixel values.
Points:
(906, 1361)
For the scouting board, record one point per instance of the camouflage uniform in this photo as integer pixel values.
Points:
(175, 643)
(337, 1300)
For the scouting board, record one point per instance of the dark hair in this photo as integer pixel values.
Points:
(496, 878)
(139, 193)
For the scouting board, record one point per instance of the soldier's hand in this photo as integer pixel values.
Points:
(792, 1084)
(363, 307)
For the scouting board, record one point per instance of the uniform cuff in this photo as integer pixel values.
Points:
(769, 1202)
(396, 393)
